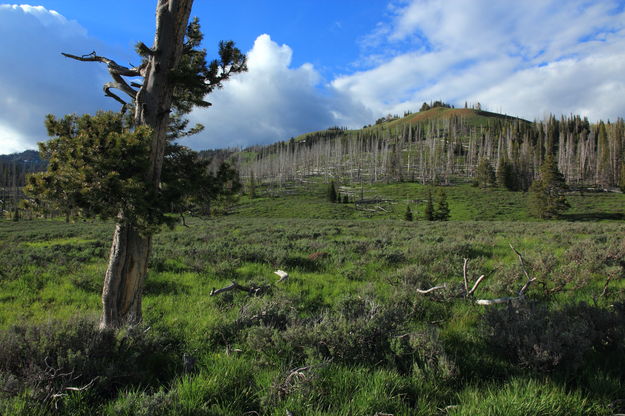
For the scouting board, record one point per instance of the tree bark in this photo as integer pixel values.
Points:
(130, 251)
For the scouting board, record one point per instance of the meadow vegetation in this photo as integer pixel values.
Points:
(347, 333)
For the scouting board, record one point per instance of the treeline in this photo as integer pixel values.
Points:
(445, 150)
(14, 169)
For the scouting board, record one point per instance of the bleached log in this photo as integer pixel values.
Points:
(432, 289)
(283, 275)
(488, 302)
(233, 286)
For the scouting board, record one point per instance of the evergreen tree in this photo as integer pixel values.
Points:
(408, 214)
(429, 207)
(176, 78)
(505, 174)
(252, 188)
(331, 193)
(345, 199)
(442, 208)
(485, 174)
(546, 194)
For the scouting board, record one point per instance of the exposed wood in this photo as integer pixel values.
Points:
(432, 289)
(233, 286)
(464, 274)
(477, 283)
(496, 301)
(521, 293)
(283, 275)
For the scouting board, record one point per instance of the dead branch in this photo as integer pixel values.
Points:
(521, 261)
(235, 286)
(521, 293)
(496, 301)
(477, 283)
(253, 290)
(117, 72)
(464, 274)
(432, 289)
(283, 275)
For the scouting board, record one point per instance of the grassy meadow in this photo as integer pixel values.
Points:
(347, 333)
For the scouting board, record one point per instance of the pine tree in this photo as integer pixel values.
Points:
(546, 194)
(252, 188)
(331, 193)
(408, 214)
(429, 207)
(175, 78)
(442, 208)
(505, 174)
(485, 173)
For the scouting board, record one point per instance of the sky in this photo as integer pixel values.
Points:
(314, 64)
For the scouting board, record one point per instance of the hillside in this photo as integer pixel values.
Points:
(444, 146)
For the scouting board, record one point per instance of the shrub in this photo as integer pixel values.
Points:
(44, 359)
(535, 337)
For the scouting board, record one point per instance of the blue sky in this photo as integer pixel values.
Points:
(319, 63)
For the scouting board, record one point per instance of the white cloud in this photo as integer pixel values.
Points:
(270, 102)
(36, 80)
(527, 57)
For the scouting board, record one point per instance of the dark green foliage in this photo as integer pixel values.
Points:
(546, 194)
(346, 199)
(97, 166)
(252, 186)
(43, 360)
(534, 336)
(505, 174)
(442, 208)
(429, 206)
(331, 192)
(408, 214)
(195, 78)
(485, 173)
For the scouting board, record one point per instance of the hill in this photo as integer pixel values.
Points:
(443, 146)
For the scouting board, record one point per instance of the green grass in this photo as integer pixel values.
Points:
(351, 317)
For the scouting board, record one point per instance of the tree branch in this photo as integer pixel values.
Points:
(432, 289)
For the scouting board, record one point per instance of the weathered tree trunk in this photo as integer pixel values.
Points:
(125, 276)
(130, 251)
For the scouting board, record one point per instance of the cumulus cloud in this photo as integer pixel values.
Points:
(36, 80)
(271, 102)
(527, 57)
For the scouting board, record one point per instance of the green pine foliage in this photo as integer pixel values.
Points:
(546, 194)
(408, 214)
(485, 174)
(442, 208)
(429, 206)
(331, 193)
(505, 174)
(96, 169)
(252, 186)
